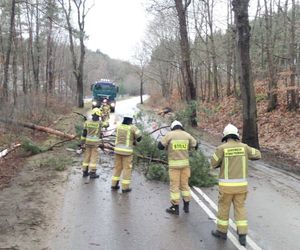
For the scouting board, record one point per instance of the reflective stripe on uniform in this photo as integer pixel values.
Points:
(233, 182)
(93, 165)
(126, 182)
(222, 222)
(84, 164)
(178, 163)
(215, 157)
(92, 138)
(253, 151)
(186, 193)
(115, 178)
(244, 166)
(226, 167)
(241, 223)
(122, 148)
(175, 196)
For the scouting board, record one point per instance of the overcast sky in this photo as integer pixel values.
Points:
(115, 27)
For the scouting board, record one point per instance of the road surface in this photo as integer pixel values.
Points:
(94, 217)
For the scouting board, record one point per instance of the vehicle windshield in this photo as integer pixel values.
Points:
(101, 86)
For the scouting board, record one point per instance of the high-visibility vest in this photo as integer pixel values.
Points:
(93, 133)
(178, 144)
(233, 157)
(125, 136)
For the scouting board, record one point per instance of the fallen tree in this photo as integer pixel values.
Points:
(39, 128)
(6, 151)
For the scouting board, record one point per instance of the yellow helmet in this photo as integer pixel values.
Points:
(96, 111)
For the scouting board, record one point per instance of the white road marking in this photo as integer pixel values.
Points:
(231, 223)
(214, 218)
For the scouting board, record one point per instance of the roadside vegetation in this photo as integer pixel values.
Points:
(155, 164)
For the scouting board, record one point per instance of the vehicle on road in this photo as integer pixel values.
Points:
(104, 89)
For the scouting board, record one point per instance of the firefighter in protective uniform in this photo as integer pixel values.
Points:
(90, 140)
(232, 158)
(126, 136)
(105, 110)
(178, 143)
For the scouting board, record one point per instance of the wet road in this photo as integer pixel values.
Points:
(94, 217)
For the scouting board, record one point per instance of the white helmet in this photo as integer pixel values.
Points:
(230, 130)
(128, 115)
(175, 123)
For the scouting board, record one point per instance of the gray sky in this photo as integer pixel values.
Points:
(115, 27)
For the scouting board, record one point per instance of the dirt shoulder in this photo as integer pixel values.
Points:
(29, 203)
(32, 190)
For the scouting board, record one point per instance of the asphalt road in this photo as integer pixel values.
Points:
(94, 217)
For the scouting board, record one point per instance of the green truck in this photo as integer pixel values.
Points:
(104, 89)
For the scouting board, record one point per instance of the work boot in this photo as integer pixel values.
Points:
(242, 239)
(93, 175)
(186, 206)
(85, 173)
(174, 209)
(116, 187)
(126, 190)
(219, 234)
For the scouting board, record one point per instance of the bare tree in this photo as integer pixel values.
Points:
(8, 50)
(142, 60)
(50, 44)
(185, 55)
(78, 65)
(250, 130)
(209, 10)
(291, 93)
(270, 42)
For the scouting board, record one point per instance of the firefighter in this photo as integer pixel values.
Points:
(232, 159)
(126, 136)
(90, 140)
(105, 109)
(178, 143)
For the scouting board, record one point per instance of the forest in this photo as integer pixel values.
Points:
(209, 56)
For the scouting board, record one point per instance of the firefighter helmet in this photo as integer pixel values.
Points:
(129, 115)
(176, 123)
(230, 130)
(96, 111)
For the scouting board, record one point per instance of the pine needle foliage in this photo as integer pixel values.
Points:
(200, 167)
(31, 147)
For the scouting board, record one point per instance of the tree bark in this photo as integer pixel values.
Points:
(185, 57)
(8, 50)
(291, 93)
(209, 8)
(273, 101)
(250, 130)
(39, 128)
(50, 59)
